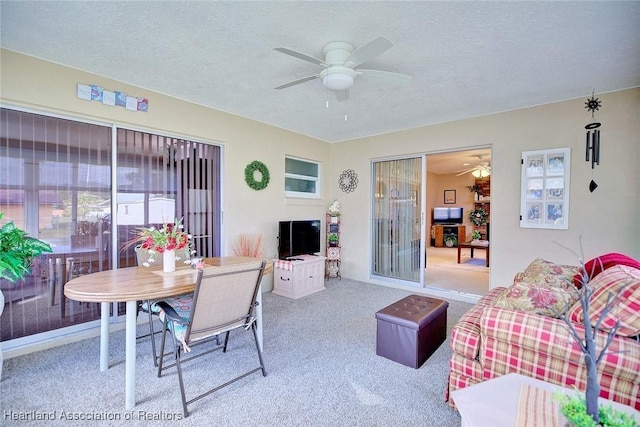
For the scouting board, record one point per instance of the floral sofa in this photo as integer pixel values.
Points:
(516, 329)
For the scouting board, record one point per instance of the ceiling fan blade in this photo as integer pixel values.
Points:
(466, 171)
(297, 82)
(385, 75)
(342, 95)
(301, 56)
(368, 51)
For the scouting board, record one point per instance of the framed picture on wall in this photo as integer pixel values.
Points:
(449, 197)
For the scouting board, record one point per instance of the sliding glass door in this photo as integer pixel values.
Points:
(397, 225)
(56, 182)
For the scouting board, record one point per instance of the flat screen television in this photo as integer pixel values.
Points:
(298, 238)
(451, 215)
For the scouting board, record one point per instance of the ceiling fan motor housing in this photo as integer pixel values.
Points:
(336, 53)
(337, 76)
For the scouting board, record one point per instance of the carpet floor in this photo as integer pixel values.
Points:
(320, 355)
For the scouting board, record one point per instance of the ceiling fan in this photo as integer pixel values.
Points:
(481, 170)
(339, 66)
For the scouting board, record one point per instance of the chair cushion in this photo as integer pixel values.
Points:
(154, 307)
(627, 307)
(182, 305)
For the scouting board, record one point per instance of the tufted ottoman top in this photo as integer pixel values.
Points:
(413, 311)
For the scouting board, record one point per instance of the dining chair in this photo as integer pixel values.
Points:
(147, 258)
(224, 300)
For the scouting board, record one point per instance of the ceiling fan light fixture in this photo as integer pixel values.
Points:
(338, 81)
(338, 78)
(480, 173)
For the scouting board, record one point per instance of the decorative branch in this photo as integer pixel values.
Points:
(587, 341)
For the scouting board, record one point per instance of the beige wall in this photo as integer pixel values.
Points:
(607, 219)
(46, 87)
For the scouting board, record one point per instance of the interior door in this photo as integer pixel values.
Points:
(398, 220)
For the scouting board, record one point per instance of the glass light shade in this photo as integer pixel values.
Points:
(480, 173)
(337, 81)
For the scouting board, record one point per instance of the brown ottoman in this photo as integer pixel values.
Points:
(410, 330)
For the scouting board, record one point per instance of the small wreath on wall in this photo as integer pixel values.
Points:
(348, 180)
(249, 175)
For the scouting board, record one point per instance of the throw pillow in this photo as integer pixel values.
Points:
(544, 272)
(597, 265)
(536, 298)
(627, 306)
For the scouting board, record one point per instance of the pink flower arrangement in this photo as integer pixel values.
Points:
(168, 237)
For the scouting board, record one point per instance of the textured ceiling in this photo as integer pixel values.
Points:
(467, 58)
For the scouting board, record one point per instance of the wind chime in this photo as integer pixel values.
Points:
(592, 148)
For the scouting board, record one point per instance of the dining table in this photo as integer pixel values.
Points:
(133, 284)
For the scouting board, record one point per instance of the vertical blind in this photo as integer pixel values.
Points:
(396, 219)
(55, 183)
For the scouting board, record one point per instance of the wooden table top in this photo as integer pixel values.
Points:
(479, 244)
(141, 283)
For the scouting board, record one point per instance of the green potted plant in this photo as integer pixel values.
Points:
(17, 250)
(450, 241)
(574, 408)
(476, 235)
(333, 239)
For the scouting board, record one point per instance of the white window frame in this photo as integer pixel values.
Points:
(315, 179)
(545, 184)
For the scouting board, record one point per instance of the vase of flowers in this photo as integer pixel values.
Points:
(165, 241)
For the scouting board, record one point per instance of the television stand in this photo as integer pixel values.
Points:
(297, 279)
(440, 232)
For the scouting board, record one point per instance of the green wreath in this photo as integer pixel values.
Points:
(250, 178)
(478, 216)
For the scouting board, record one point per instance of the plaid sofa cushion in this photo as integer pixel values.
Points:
(627, 306)
(462, 373)
(465, 335)
(541, 347)
(491, 296)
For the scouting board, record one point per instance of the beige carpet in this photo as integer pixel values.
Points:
(320, 355)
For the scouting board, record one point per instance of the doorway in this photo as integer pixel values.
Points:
(457, 180)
